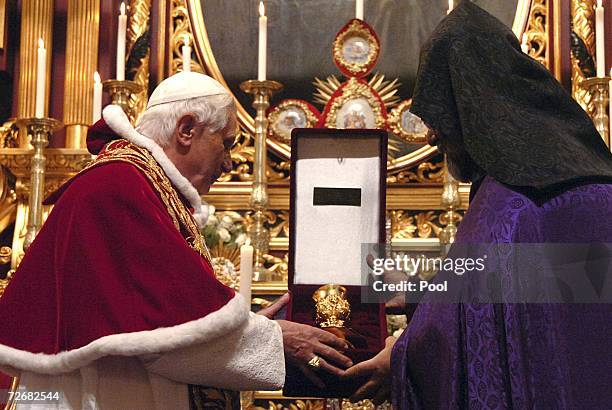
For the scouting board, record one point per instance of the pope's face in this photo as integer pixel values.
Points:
(209, 155)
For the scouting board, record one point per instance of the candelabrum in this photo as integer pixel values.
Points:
(451, 201)
(39, 129)
(120, 92)
(258, 232)
(599, 88)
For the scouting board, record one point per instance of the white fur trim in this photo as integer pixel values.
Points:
(116, 119)
(214, 325)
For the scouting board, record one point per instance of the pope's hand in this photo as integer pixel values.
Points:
(304, 343)
(273, 309)
(378, 370)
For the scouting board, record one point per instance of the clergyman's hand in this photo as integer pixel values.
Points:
(273, 309)
(304, 343)
(378, 370)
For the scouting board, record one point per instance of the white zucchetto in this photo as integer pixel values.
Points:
(183, 86)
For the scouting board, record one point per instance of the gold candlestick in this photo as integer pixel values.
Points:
(451, 201)
(120, 92)
(599, 88)
(39, 129)
(259, 234)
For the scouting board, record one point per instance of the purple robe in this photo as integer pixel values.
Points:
(498, 356)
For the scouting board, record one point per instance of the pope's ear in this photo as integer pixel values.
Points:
(185, 129)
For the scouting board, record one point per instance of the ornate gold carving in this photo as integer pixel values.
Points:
(425, 172)
(138, 41)
(386, 89)
(332, 308)
(426, 224)
(294, 405)
(395, 123)
(537, 32)
(583, 25)
(180, 29)
(355, 89)
(81, 62)
(9, 134)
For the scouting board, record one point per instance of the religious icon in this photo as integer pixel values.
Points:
(406, 125)
(291, 114)
(355, 50)
(356, 113)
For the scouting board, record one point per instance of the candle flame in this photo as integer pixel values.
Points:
(97, 78)
(599, 3)
(122, 8)
(248, 242)
(41, 43)
(186, 40)
(262, 9)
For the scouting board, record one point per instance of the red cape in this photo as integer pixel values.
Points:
(109, 262)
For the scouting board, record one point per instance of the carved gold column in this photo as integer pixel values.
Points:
(139, 25)
(36, 22)
(583, 26)
(451, 202)
(81, 62)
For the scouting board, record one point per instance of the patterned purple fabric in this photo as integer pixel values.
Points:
(494, 356)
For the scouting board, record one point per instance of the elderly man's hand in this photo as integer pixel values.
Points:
(378, 370)
(304, 343)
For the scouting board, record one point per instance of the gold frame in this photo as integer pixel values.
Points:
(524, 20)
(355, 28)
(355, 89)
(275, 113)
(394, 120)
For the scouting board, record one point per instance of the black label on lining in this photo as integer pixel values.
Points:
(337, 196)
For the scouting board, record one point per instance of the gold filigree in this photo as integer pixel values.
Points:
(139, 26)
(181, 29)
(9, 134)
(428, 224)
(386, 89)
(4, 282)
(277, 220)
(537, 32)
(425, 173)
(356, 29)
(332, 307)
(294, 405)
(355, 89)
(278, 266)
(583, 25)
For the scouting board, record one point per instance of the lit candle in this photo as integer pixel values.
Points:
(121, 32)
(359, 9)
(246, 270)
(186, 53)
(263, 42)
(97, 98)
(600, 46)
(525, 44)
(451, 6)
(41, 77)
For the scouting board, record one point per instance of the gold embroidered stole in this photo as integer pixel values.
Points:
(124, 151)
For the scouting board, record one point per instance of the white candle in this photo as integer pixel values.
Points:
(246, 270)
(525, 44)
(121, 32)
(97, 98)
(600, 47)
(41, 77)
(359, 9)
(451, 6)
(263, 42)
(186, 53)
